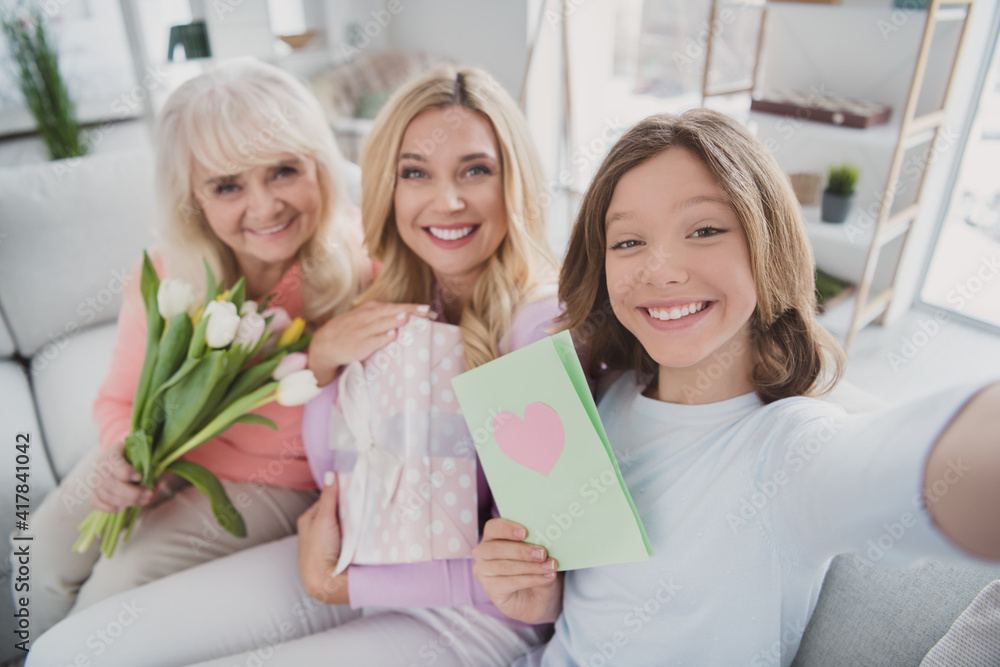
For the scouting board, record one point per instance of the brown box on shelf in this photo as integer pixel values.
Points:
(806, 187)
(823, 109)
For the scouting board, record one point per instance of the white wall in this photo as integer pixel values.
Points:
(488, 33)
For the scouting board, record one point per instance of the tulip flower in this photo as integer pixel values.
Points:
(291, 363)
(298, 388)
(279, 319)
(222, 323)
(293, 332)
(250, 330)
(175, 297)
(188, 395)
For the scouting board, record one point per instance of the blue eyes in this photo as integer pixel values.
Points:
(414, 173)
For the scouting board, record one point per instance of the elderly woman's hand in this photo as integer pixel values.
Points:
(117, 487)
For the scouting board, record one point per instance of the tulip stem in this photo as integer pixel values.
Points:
(224, 420)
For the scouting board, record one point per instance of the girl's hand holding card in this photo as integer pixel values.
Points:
(519, 577)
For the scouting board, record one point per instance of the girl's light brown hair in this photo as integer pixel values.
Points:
(523, 262)
(792, 354)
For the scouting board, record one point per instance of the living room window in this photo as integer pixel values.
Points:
(963, 276)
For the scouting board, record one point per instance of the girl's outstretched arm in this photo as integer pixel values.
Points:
(518, 577)
(966, 459)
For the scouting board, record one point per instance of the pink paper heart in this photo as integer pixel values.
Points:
(535, 441)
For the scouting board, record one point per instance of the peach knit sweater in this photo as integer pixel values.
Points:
(244, 453)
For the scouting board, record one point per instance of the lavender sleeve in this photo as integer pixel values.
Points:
(316, 432)
(443, 583)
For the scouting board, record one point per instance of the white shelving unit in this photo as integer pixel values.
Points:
(865, 50)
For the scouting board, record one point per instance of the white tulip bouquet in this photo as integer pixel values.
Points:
(203, 372)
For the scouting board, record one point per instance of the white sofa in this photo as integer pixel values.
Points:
(68, 231)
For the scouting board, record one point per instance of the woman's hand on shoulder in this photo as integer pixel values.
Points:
(357, 334)
(117, 487)
(518, 577)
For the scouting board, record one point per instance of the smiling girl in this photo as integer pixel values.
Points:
(691, 238)
(251, 182)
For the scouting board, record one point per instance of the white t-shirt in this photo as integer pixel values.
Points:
(745, 505)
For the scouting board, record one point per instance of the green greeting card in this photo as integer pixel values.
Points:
(547, 458)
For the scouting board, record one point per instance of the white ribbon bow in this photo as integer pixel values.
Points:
(373, 462)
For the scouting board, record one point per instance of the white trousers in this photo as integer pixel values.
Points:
(176, 533)
(249, 610)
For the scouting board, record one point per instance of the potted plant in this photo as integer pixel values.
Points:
(839, 193)
(36, 63)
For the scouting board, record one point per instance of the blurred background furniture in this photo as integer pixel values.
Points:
(352, 93)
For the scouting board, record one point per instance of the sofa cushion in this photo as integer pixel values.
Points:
(974, 639)
(17, 415)
(6, 342)
(65, 386)
(874, 616)
(73, 227)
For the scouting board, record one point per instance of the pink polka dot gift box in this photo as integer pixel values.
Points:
(411, 494)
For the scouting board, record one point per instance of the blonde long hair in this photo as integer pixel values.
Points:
(793, 355)
(234, 118)
(522, 263)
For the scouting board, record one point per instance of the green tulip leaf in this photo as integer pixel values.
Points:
(211, 287)
(149, 284)
(170, 357)
(225, 512)
(251, 418)
(139, 452)
(185, 400)
(238, 294)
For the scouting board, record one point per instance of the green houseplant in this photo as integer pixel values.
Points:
(838, 196)
(36, 64)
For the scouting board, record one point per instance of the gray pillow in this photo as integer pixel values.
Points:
(875, 616)
(974, 639)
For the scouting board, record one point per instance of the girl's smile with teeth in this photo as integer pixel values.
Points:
(676, 312)
(677, 263)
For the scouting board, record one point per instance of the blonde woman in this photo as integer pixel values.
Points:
(251, 181)
(450, 177)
